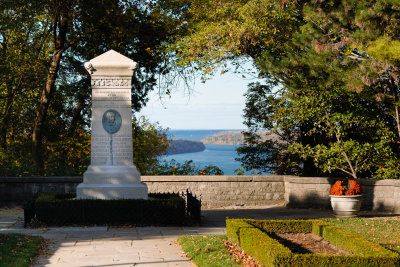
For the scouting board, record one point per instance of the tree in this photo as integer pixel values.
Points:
(338, 95)
(47, 42)
(267, 155)
(365, 34)
(327, 77)
(23, 48)
(70, 154)
(149, 144)
(220, 31)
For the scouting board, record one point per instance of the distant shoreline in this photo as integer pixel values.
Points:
(235, 138)
(218, 136)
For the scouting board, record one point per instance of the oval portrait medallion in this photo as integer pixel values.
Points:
(112, 121)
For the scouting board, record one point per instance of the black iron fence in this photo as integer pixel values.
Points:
(193, 207)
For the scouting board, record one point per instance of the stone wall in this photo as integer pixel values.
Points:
(225, 191)
(310, 192)
(17, 190)
(378, 195)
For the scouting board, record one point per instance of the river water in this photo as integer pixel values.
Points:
(222, 156)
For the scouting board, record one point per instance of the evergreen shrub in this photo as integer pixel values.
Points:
(282, 226)
(252, 236)
(55, 209)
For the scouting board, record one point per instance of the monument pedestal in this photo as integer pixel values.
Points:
(112, 174)
(112, 182)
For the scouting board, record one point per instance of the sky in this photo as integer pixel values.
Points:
(216, 104)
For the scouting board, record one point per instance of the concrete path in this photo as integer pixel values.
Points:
(140, 246)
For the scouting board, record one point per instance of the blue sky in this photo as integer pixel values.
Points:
(216, 104)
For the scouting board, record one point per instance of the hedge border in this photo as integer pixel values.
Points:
(252, 236)
(60, 209)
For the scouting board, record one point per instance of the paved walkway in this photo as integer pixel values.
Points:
(140, 246)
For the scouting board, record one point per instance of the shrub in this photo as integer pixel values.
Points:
(253, 237)
(62, 209)
(282, 226)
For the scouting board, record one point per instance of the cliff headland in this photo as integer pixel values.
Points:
(179, 146)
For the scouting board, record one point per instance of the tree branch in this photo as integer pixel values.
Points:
(339, 141)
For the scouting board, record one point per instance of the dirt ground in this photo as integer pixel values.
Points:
(308, 243)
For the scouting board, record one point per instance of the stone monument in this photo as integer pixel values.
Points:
(111, 173)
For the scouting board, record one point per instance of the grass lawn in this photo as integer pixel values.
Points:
(385, 231)
(19, 250)
(207, 250)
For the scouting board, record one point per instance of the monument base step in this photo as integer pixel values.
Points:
(112, 191)
(111, 174)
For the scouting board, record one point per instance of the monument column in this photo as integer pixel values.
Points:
(111, 173)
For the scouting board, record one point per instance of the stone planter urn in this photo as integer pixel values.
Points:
(346, 206)
(346, 197)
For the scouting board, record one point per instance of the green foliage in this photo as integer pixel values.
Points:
(267, 154)
(173, 167)
(266, 250)
(233, 227)
(356, 141)
(210, 170)
(218, 30)
(385, 50)
(282, 226)
(239, 171)
(44, 88)
(70, 154)
(207, 250)
(19, 250)
(62, 209)
(149, 144)
(336, 106)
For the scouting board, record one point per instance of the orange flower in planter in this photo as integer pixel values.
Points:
(352, 188)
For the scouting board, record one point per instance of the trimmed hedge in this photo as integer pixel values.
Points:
(233, 227)
(272, 253)
(252, 236)
(283, 226)
(56, 209)
(349, 241)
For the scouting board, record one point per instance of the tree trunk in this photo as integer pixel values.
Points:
(62, 21)
(6, 116)
(5, 123)
(37, 134)
(77, 117)
(396, 100)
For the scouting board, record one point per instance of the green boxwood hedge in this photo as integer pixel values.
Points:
(252, 236)
(59, 209)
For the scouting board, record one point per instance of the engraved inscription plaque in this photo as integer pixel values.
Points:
(111, 121)
(110, 82)
(111, 94)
